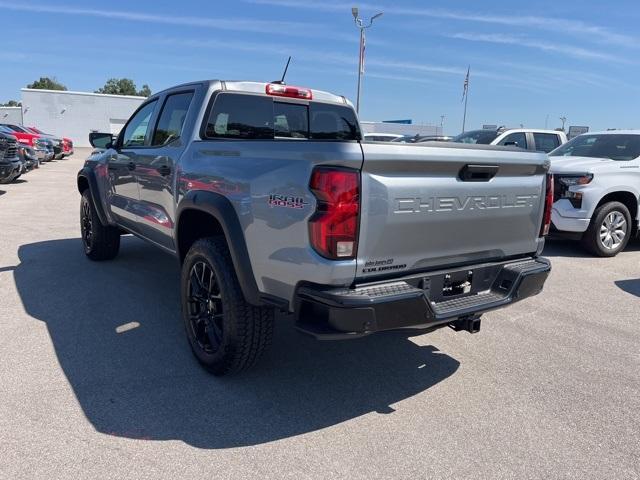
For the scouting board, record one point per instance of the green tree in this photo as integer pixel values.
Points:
(11, 103)
(145, 91)
(124, 86)
(46, 83)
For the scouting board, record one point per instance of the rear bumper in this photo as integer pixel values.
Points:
(417, 301)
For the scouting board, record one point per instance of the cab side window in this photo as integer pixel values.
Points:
(135, 133)
(174, 112)
(242, 117)
(519, 139)
(546, 142)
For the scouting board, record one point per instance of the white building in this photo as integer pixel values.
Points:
(76, 114)
(11, 115)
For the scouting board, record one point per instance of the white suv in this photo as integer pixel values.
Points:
(526, 138)
(597, 189)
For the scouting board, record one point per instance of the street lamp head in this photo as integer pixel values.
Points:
(354, 12)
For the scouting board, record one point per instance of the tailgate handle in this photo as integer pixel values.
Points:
(478, 173)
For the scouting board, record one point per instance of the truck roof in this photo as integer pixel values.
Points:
(532, 130)
(259, 88)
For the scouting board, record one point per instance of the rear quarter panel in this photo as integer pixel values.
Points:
(249, 173)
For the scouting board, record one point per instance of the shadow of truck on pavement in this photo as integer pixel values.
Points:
(144, 382)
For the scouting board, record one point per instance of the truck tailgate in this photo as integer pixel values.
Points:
(433, 205)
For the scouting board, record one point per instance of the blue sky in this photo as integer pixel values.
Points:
(548, 58)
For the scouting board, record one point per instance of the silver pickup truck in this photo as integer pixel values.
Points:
(270, 200)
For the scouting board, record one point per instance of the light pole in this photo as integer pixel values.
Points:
(362, 26)
(563, 120)
(442, 117)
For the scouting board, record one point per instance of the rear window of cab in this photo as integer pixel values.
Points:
(253, 117)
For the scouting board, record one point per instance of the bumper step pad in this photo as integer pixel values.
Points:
(402, 304)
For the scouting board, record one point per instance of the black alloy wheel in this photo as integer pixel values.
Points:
(86, 225)
(205, 308)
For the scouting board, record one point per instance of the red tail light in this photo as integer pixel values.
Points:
(279, 90)
(548, 205)
(334, 227)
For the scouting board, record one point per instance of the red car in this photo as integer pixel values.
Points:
(22, 135)
(67, 144)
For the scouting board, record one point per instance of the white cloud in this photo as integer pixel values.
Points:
(569, 50)
(572, 27)
(555, 76)
(296, 29)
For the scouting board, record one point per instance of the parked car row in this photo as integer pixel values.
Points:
(37, 139)
(525, 138)
(23, 149)
(396, 138)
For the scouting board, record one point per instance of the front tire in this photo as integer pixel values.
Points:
(226, 333)
(100, 242)
(609, 230)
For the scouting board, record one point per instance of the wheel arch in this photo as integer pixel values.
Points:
(86, 180)
(83, 183)
(627, 198)
(201, 214)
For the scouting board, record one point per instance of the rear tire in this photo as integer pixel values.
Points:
(226, 333)
(609, 230)
(100, 242)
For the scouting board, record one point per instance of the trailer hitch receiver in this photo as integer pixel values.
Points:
(468, 324)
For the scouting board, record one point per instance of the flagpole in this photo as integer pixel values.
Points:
(466, 97)
(464, 117)
(360, 65)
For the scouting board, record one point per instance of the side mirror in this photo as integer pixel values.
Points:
(101, 140)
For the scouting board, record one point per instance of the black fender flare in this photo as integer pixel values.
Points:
(220, 208)
(90, 176)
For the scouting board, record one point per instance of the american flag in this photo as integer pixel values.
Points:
(362, 49)
(465, 90)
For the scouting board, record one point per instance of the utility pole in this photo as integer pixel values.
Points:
(546, 122)
(362, 26)
(563, 120)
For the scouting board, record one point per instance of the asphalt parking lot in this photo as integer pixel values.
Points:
(550, 388)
